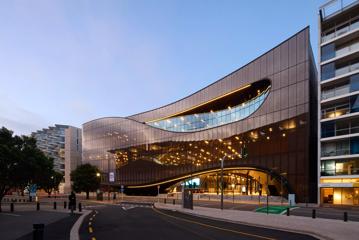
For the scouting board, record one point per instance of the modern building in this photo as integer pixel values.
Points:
(51, 141)
(339, 102)
(63, 144)
(260, 120)
(73, 153)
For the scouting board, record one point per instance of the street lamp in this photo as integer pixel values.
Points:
(98, 174)
(222, 160)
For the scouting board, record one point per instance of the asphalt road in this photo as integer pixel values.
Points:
(19, 224)
(131, 222)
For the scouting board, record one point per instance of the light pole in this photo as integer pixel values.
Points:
(222, 160)
(267, 192)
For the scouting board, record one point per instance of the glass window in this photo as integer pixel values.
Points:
(328, 71)
(354, 83)
(354, 145)
(328, 168)
(342, 127)
(328, 129)
(328, 52)
(354, 104)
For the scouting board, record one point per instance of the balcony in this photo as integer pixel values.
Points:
(349, 146)
(336, 111)
(335, 91)
(339, 167)
(341, 30)
(333, 7)
(339, 128)
(329, 53)
(330, 71)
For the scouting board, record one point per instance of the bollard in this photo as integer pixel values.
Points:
(313, 213)
(37, 206)
(65, 204)
(174, 201)
(38, 231)
(345, 217)
(11, 207)
(80, 207)
(55, 205)
(288, 212)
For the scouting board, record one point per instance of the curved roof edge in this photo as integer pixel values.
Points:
(130, 117)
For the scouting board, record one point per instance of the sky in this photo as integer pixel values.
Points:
(69, 62)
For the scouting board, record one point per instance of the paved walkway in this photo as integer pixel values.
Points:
(320, 228)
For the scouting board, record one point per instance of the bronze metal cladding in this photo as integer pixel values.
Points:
(277, 135)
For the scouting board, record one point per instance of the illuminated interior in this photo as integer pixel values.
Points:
(230, 107)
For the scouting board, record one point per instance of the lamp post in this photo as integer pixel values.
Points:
(222, 160)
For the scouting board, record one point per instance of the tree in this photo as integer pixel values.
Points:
(50, 181)
(85, 179)
(21, 162)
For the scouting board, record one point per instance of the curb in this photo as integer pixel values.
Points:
(74, 233)
(312, 234)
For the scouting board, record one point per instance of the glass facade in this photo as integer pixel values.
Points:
(269, 127)
(210, 119)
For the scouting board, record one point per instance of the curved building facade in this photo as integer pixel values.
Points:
(261, 119)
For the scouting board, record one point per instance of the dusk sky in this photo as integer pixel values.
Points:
(69, 62)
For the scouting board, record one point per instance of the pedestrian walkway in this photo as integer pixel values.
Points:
(320, 228)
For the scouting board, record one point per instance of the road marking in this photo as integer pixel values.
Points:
(90, 223)
(215, 227)
(90, 230)
(11, 214)
(91, 219)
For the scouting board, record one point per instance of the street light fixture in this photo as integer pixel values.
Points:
(222, 161)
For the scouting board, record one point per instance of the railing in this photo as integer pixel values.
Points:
(337, 91)
(348, 26)
(340, 132)
(335, 152)
(334, 172)
(340, 71)
(335, 6)
(341, 51)
(336, 111)
(347, 69)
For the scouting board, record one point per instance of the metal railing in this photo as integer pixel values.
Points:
(333, 7)
(340, 71)
(341, 29)
(336, 111)
(337, 91)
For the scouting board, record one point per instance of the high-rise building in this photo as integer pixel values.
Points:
(339, 102)
(260, 121)
(63, 144)
(73, 151)
(51, 141)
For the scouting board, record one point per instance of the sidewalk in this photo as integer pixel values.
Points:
(320, 228)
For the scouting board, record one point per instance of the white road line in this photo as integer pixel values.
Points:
(11, 214)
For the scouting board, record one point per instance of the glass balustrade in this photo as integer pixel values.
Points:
(200, 121)
(351, 25)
